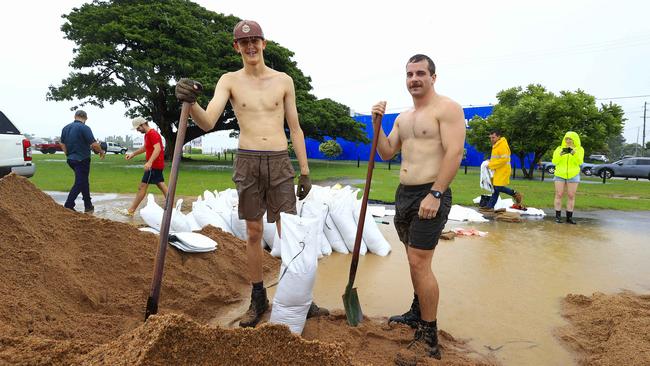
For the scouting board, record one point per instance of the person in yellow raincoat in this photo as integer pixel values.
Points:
(500, 164)
(567, 159)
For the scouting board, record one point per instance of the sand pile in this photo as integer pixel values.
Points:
(74, 290)
(608, 329)
(377, 343)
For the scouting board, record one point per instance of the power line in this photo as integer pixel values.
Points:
(625, 97)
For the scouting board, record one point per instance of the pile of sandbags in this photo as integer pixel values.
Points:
(335, 209)
(180, 227)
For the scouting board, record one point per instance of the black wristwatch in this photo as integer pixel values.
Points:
(436, 194)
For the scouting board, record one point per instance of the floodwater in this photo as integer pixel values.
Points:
(502, 291)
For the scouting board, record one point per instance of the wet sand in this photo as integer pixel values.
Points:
(503, 292)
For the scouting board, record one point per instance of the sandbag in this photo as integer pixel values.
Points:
(317, 210)
(342, 213)
(152, 215)
(192, 242)
(300, 250)
(205, 216)
(373, 238)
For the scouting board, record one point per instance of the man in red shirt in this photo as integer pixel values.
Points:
(153, 168)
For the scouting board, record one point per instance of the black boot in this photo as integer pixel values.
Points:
(259, 305)
(411, 317)
(423, 346)
(316, 311)
(558, 216)
(569, 218)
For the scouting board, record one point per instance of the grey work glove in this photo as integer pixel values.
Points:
(304, 186)
(187, 90)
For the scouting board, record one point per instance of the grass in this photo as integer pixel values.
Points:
(201, 172)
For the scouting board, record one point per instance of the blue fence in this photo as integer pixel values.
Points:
(354, 151)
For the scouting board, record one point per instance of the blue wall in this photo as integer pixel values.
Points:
(352, 151)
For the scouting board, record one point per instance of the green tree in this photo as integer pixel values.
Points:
(534, 120)
(134, 51)
(331, 149)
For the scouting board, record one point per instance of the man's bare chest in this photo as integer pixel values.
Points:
(257, 97)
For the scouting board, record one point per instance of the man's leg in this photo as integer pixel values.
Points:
(84, 169)
(412, 316)
(163, 188)
(425, 341)
(494, 198)
(75, 189)
(259, 302)
(424, 282)
(142, 192)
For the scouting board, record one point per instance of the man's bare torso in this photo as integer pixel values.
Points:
(422, 150)
(258, 103)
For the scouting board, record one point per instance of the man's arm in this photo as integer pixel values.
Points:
(208, 118)
(452, 135)
(296, 134)
(135, 153)
(387, 147)
(98, 149)
(65, 150)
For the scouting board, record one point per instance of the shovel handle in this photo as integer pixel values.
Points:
(376, 121)
(156, 282)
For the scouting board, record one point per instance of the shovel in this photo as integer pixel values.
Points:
(152, 301)
(351, 303)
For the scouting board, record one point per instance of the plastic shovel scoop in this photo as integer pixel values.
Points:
(351, 303)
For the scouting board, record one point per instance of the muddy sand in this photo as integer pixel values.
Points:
(608, 329)
(74, 289)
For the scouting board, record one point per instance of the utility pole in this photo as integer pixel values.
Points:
(645, 104)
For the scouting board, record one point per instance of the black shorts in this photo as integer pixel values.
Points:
(412, 230)
(153, 176)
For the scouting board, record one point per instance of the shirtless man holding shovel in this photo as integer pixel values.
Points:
(431, 136)
(262, 99)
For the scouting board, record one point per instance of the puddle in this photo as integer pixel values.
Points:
(503, 291)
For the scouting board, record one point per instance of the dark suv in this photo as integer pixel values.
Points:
(635, 167)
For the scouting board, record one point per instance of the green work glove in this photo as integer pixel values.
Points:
(187, 90)
(304, 186)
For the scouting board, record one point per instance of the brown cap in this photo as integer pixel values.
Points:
(247, 29)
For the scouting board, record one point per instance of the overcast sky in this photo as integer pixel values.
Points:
(355, 52)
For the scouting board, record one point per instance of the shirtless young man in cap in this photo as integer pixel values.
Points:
(431, 136)
(262, 99)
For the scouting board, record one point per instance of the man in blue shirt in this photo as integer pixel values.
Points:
(76, 140)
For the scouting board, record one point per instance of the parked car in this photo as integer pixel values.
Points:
(15, 150)
(585, 168)
(48, 147)
(636, 167)
(599, 157)
(113, 147)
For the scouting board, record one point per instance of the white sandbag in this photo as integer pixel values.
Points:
(373, 238)
(194, 226)
(193, 242)
(342, 213)
(237, 225)
(152, 215)
(317, 210)
(460, 213)
(297, 273)
(333, 236)
(179, 221)
(204, 216)
(269, 232)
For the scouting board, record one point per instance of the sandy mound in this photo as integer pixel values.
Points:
(74, 290)
(608, 329)
(374, 342)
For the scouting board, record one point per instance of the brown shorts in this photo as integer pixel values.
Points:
(412, 230)
(264, 181)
